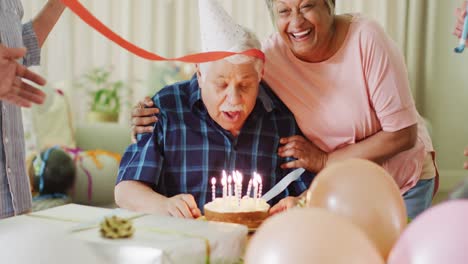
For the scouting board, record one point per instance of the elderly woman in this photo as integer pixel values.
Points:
(346, 83)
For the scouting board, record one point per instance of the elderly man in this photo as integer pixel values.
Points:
(15, 194)
(221, 119)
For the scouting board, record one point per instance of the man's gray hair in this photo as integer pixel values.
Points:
(270, 5)
(248, 41)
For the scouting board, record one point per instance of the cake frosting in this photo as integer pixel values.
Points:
(232, 205)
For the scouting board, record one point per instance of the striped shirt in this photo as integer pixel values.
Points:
(187, 147)
(15, 194)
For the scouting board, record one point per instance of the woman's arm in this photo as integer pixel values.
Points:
(143, 117)
(378, 148)
(46, 19)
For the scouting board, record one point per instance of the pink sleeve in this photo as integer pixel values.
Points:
(387, 79)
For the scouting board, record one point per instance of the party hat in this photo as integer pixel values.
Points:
(219, 31)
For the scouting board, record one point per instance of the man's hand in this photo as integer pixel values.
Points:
(12, 87)
(183, 206)
(143, 117)
(460, 13)
(308, 156)
(466, 155)
(284, 205)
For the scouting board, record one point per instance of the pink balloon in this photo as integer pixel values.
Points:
(365, 194)
(439, 235)
(312, 235)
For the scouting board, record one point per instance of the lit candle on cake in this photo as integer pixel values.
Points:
(234, 179)
(213, 188)
(241, 178)
(224, 183)
(255, 187)
(229, 185)
(239, 186)
(249, 188)
(259, 180)
(233, 186)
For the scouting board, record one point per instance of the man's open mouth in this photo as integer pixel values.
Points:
(232, 116)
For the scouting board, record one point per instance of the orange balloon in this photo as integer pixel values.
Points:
(364, 193)
(310, 235)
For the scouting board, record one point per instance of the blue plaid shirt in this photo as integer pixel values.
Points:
(187, 147)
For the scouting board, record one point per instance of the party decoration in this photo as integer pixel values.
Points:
(76, 7)
(310, 236)
(115, 227)
(365, 194)
(434, 237)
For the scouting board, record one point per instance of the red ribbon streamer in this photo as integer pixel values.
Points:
(88, 18)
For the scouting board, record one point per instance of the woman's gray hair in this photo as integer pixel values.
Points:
(248, 41)
(270, 5)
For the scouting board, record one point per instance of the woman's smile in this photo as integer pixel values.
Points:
(301, 35)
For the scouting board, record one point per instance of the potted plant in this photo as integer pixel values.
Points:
(105, 100)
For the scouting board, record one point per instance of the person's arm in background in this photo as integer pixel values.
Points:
(36, 31)
(12, 87)
(460, 13)
(46, 19)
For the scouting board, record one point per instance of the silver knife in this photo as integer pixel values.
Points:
(283, 184)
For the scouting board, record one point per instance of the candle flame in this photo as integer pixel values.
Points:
(213, 181)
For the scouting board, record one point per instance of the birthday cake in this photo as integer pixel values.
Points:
(231, 208)
(247, 211)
